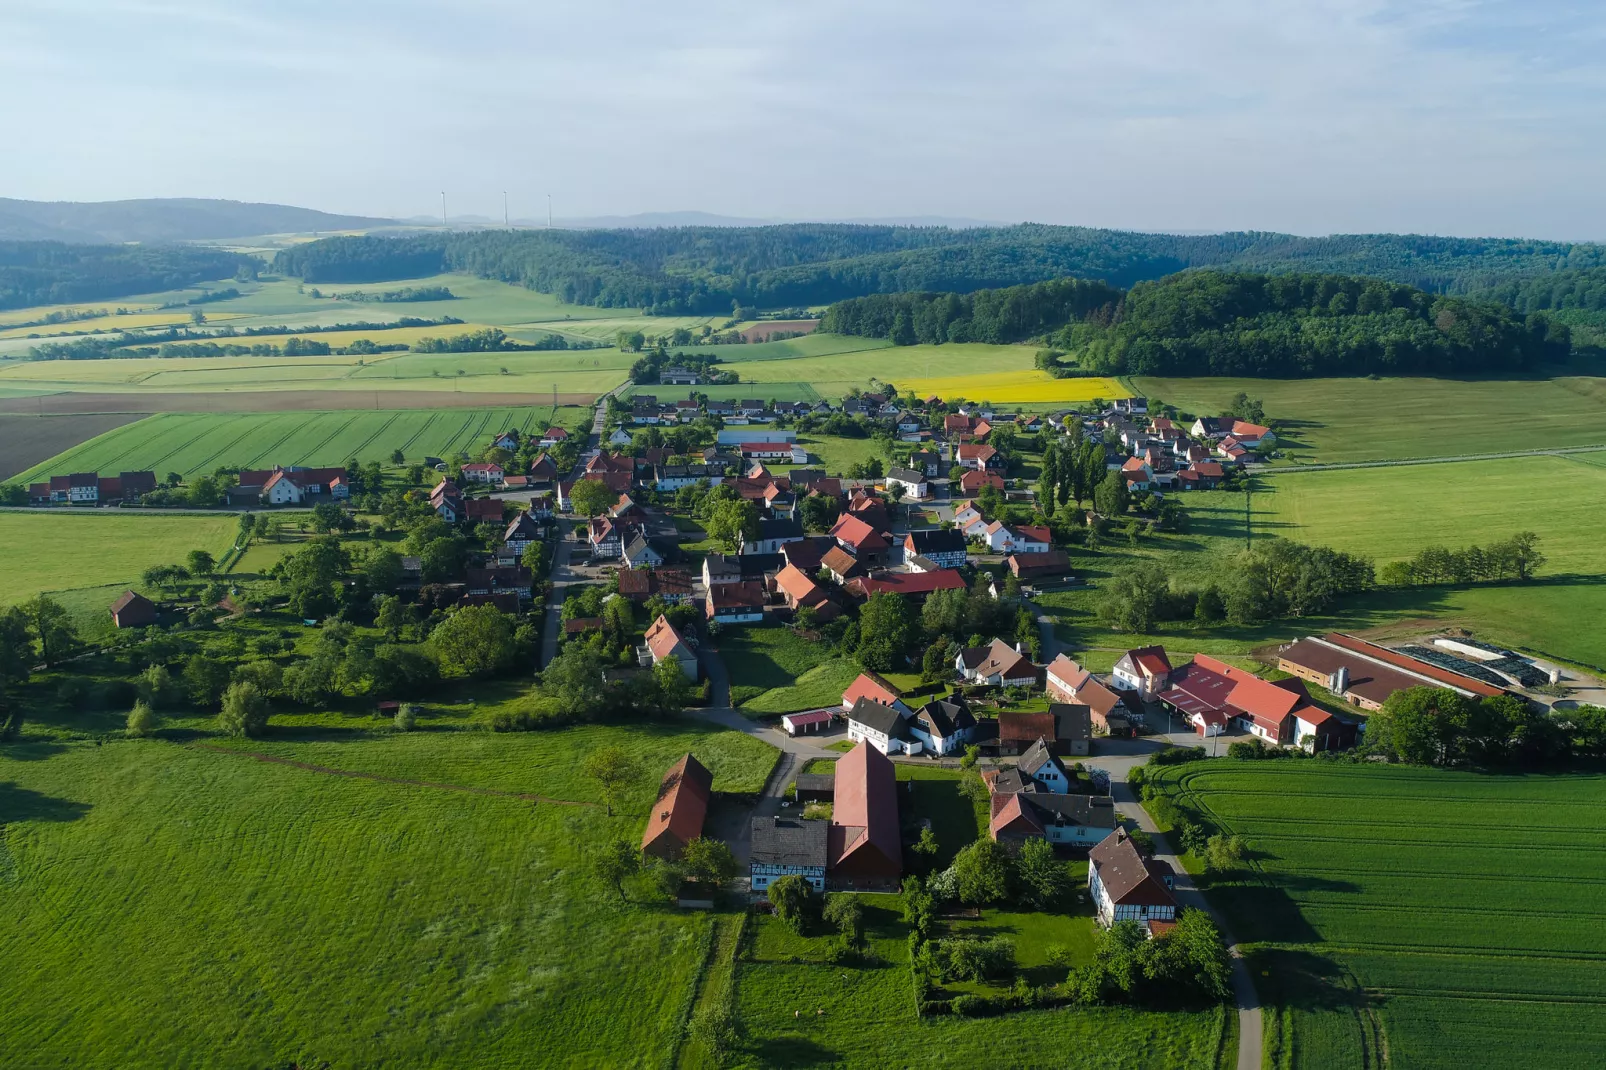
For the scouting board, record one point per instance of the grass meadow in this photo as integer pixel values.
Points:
(173, 906)
(66, 549)
(759, 658)
(1336, 420)
(1446, 919)
(198, 443)
(1388, 513)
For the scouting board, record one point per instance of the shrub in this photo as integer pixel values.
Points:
(844, 911)
(141, 720)
(245, 710)
(1164, 811)
(975, 1006)
(1176, 755)
(406, 717)
(793, 900)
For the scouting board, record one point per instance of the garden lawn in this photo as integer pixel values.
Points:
(820, 686)
(863, 1016)
(760, 658)
(836, 454)
(1455, 915)
(1337, 420)
(169, 906)
(65, 549)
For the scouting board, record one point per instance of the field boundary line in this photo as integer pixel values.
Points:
(1556, 451)
(311, 767)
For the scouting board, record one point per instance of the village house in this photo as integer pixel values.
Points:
(293, 485)
(860, 539)
(552, 436)
(487, 472)
(671, 585)
(742, 602)
(521, 531)
(721, 569)
(1145, 670)
(913, 483)
(1073, 727)
(1069, 682)
(1022, 539)
(926, 463)
(664, 641)
(975, 456)
(969, 522)
(671, 477)
(883, 727)
(675, 375)
(1067, 820)
(677, 816)
(783, 846)
(842, 565)
(943, 726)
(772, 535)
(447, 501)
(801, 592)
(869, 685)
(943, 547)
(1125, 886)
(913, 585)
(543, 470)
(640, 552)
(1212, 694)
(972, 482)
(997, 664)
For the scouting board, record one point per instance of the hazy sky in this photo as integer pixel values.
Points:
(1311, 116)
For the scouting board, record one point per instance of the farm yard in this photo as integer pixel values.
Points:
(1450, 919)
(197, 443)
(62, 550)
(304, 889)
(27, 440)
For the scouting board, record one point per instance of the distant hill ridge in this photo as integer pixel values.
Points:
(163, 219)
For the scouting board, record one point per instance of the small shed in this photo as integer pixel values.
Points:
(815, 787)
(133, 610)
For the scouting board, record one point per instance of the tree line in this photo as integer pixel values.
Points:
(1516, 558)
(58, 273)
(1012, 314)
(705, 270)
(1276, 326)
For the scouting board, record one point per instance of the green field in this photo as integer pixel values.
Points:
(172, 906)
(1391, 513)
(780, 391)
(345, 378)
(1456, 915)
(196, 443)
(1338, 420)
(65, 549)
(820, 686)
(761, 657)
(810, 345)
(1388, 514)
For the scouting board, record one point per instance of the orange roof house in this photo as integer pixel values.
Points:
(677, 816)
(863, 847)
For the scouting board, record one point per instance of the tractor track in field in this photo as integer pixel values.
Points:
(383, 779)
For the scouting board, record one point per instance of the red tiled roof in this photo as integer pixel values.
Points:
(911, 583)
(662, 638)
(864, 814)
(677, 815)
(839, 561)
(1025, 727)
(858, 534)
(869, 685)
(798, 587)
(1125, 876)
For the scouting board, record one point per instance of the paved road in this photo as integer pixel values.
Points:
(563, 573)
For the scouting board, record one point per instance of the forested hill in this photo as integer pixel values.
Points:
(705, 270)
(1013, 314)
(49, 273)
(1228, 323)
(163, 219)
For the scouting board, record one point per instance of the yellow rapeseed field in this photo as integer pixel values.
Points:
(1015, 386)
(132, 321)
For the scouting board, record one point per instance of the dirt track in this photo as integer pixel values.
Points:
(276, 401)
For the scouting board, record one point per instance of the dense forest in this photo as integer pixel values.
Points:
(1012, 314)
(1583, 289)
(707, 270)
(50, 273)
(1229, 323)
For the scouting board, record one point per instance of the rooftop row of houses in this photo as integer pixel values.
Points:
(91, 488)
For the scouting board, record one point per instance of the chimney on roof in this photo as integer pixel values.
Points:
(663, 815)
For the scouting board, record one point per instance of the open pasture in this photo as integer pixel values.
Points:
(174, 317)
(444, 927)
(1458, 913)
(1336, 420)
(197, 443)
(27, 440)
(63, 549)
(1391, 513)
(811, 345)
(781, 391)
